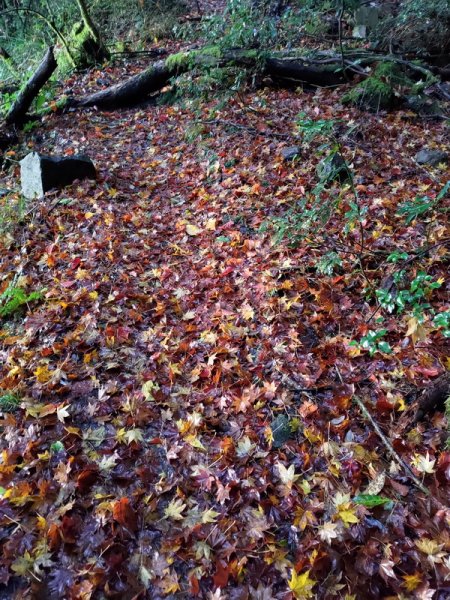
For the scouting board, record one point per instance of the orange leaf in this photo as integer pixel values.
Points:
(124, 514)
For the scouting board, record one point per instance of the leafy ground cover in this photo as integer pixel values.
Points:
(183, 422)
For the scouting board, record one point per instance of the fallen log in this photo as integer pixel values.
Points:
(297, 71)
(133, 90)
(324, 71)
(154, 78)
(19, 109)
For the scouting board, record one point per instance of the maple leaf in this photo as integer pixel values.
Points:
(245, 447)
(386, 569)
(328, 532)
(209, 516)
(287, 476)
(148, 388)
(424, 464)
(257, 523)
(23, 565)
(432, 549)
(411, 582)
(247, 312)
(174, 510)
(169, 583)
(344, 509)
(108, 462)
(301, 585)
(43, 374)
(62, 412)
(416, 330)
(348, 516)
(125, 515)
(193, 440)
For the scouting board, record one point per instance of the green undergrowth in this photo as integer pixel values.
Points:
(15, 299)
(12, 213)
(412, 286)
(380, 91)
(9, 403)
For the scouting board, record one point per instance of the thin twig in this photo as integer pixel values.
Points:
(390, 448)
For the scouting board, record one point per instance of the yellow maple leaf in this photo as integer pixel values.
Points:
(416, 330)
(193, 441)
(247, 312)
(43, 374)
(348, 516)
(301, 585)
(429, 547)
(411, 581)
(134, 435)
(209, 516)
(148, 388)
(174, 510)
(62, 412)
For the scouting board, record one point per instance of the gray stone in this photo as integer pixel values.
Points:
(290, 153)
(281, 430)
(424, 106)
(365, 17)
(333, 168)
(431, 157)
(40, 173)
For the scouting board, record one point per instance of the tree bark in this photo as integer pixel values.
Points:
(32, 88)
(296, 71)
(132, 91)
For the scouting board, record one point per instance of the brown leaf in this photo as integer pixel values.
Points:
(125, 515)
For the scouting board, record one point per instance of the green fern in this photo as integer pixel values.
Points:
(14, 298)
(9, 403)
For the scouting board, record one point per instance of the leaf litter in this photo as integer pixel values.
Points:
(173, 331)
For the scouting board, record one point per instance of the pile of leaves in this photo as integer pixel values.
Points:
(184, 423)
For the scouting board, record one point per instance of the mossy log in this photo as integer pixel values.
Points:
(137, 88)
(19, 109)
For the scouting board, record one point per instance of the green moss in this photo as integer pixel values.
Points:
(179, 60)
(84, 48)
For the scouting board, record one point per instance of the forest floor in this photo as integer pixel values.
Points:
(186, 425)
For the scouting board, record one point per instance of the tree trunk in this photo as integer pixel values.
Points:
(86, 38)
(87, 20)
(31, 89)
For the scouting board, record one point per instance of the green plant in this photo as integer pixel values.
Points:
(328, 263)
(413, 298)
(413, 209)
(373, 342)
(14, 298)
(442, 320)
(9, 403)
(56, 447)
(12, 212)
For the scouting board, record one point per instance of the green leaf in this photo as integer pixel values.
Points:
(371, 500)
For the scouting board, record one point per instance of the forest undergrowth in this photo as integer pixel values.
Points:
(178, 413)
